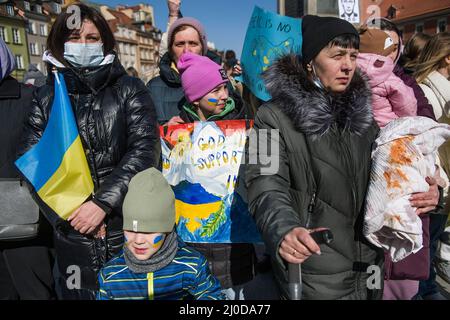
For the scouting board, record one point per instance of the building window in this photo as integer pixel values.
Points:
(442, 25)
(43, 29)
(133, 50)
(3, 34)
(57, 7)
(419, 28)
(323, 7)
(392, 12)
(16, 35)
(26, 4)
(34, 49)
(32, 28)
(19, 62)
(43, 47)
(10, 10)
(38, 8)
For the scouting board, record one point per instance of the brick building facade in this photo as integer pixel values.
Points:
(430, 16)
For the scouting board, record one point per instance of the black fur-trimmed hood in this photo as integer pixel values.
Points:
(313, 111)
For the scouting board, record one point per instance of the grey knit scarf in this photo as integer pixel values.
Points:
(159, 260)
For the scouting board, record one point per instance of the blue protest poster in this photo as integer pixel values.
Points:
(268, 37)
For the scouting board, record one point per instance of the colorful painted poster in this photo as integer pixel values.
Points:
(269, 36)
(202, 161)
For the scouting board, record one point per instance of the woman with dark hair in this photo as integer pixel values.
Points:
(118, 129)
(320, 121)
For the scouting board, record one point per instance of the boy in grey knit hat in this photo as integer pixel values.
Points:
(155, 264)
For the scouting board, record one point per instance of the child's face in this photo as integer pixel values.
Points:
(214, 102)
(396, 39)
(143, 245)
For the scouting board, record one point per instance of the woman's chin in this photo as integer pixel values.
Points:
(339, 88)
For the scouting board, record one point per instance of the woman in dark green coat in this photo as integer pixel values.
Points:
(320, 119)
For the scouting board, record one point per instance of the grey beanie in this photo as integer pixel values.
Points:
(149, 204)
(191, 22)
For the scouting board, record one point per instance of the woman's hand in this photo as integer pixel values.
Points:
(237, 70)
(87, 218)
(100, 231)
(426, 201)
(298, 245)
(174, 120)
(174, 7)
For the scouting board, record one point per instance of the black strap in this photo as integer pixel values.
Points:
(247, 124)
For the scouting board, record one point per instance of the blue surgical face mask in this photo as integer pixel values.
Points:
(83, 54)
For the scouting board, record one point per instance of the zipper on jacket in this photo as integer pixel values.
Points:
(312, 204)
(91, 152)
(351, 170)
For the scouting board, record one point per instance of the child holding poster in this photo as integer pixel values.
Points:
(207, 99)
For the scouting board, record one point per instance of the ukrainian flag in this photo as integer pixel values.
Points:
(56, 166)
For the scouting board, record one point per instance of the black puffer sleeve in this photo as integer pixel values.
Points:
(143, 144)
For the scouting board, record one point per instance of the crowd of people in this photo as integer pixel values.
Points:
(330, 104)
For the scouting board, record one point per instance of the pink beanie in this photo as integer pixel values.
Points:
(199, 75)
(191, 22)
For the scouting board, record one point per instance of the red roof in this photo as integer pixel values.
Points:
(412, 8)
(121, 17)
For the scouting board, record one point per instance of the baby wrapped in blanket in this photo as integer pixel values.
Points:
(404, 154)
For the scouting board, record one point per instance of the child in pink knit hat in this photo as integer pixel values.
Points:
(207, 98)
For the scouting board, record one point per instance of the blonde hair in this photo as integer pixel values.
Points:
(433, 55)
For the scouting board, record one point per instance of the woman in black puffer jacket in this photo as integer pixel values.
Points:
(118, 129)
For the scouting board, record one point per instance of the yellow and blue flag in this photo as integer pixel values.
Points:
(56, 166)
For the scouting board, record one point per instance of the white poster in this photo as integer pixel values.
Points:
(349, 10)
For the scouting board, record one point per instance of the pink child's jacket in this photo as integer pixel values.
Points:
(391, 97)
